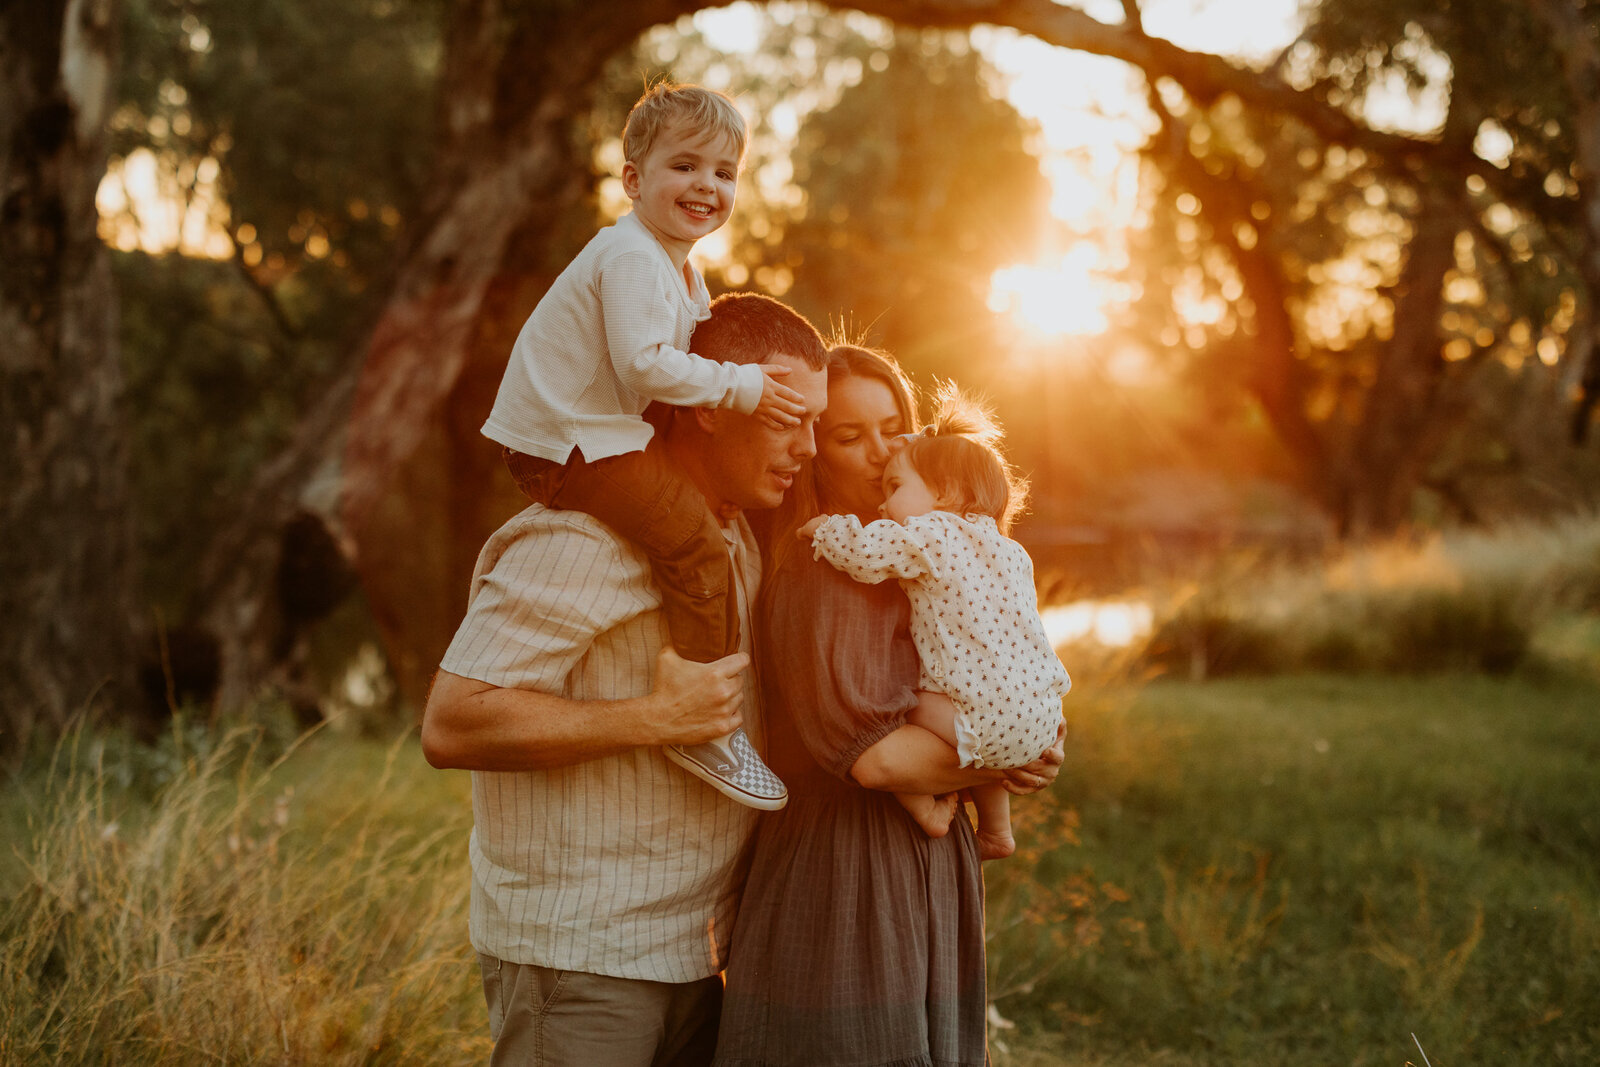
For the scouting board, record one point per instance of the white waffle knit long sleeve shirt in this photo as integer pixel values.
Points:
(975, 622)
(610, 336)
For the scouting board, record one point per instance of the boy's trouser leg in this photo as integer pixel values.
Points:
(648, 501)
(542, 1017)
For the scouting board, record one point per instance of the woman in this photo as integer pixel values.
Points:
(860, 938)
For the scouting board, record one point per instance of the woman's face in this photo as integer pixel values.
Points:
(853, 437)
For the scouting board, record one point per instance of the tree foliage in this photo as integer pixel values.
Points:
(297, 136)
(400, 180)
(915, 186)
(1403, 315)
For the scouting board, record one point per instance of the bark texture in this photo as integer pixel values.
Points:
(65, 558)
(1575, 43)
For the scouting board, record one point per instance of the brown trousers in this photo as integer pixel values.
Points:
(648, 500)
(542, 1017)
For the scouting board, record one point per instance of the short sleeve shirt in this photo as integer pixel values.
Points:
(625, 865)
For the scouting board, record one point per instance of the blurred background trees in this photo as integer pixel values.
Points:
(67, 590)
(1380, 319)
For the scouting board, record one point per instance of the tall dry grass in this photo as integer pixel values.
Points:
(1462, 600)
(234, 916)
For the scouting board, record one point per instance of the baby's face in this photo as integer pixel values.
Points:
(905, 493)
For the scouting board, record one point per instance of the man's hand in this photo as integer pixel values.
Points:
(1035, 776)
(780, 407)
(696, 701)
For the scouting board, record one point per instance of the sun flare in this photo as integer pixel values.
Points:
(1062, 298)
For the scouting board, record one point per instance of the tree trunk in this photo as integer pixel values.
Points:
(1397, 436)
(390, 464)
(1574, 41)
(66, 556)
(1278, 380)
(421, 487)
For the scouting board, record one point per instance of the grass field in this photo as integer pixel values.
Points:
(1317, 868)
(1300, 870)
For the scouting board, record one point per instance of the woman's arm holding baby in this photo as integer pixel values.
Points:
(911, 759)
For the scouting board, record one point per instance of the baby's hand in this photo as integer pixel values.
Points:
(809, 530)
(780, 406)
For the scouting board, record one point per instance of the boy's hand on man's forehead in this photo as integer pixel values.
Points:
(780, 407)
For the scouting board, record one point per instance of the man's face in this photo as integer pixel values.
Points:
(750, 463)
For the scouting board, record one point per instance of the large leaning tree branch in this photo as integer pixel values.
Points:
(1279, 381)
(512, 75)
(1206, 77)
(503, 117)
(419, 348)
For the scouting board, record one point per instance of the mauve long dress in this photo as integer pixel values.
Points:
(859, 939)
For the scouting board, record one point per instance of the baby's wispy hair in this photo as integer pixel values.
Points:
(957, 453)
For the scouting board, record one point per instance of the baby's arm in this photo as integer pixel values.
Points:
(872, 553)
(936, 713)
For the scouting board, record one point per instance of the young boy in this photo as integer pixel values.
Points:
(607, 339)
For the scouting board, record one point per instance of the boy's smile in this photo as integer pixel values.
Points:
(684, 187)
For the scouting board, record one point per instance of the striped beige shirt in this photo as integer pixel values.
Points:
(626, 865)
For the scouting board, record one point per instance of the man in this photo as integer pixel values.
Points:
(604, 877)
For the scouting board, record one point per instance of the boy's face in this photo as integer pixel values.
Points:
(683, 188)
(905, 494)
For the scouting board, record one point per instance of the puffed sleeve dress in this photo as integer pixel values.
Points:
(859, 939)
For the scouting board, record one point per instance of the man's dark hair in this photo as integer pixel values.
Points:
(751, 328)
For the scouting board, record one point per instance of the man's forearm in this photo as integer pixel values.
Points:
(472, 725)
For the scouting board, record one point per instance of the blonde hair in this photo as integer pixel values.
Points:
(667, 103)
(958, 455)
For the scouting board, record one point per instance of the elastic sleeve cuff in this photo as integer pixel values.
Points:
(845, 759)
(751, 380)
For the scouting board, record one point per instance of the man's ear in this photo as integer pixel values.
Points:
(706, 419)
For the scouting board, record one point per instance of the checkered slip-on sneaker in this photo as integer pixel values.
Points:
(730, 765)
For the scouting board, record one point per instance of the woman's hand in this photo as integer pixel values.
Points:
(1035, 776)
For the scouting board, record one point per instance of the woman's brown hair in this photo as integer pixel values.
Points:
(810, 495)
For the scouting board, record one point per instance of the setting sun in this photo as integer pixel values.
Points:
(1065, 297)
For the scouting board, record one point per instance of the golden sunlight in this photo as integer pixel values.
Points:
(149, 203)
(1064, 298)
(1113, 623)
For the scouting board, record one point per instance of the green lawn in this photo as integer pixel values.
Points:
(1318, 867)
(1300, 870)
